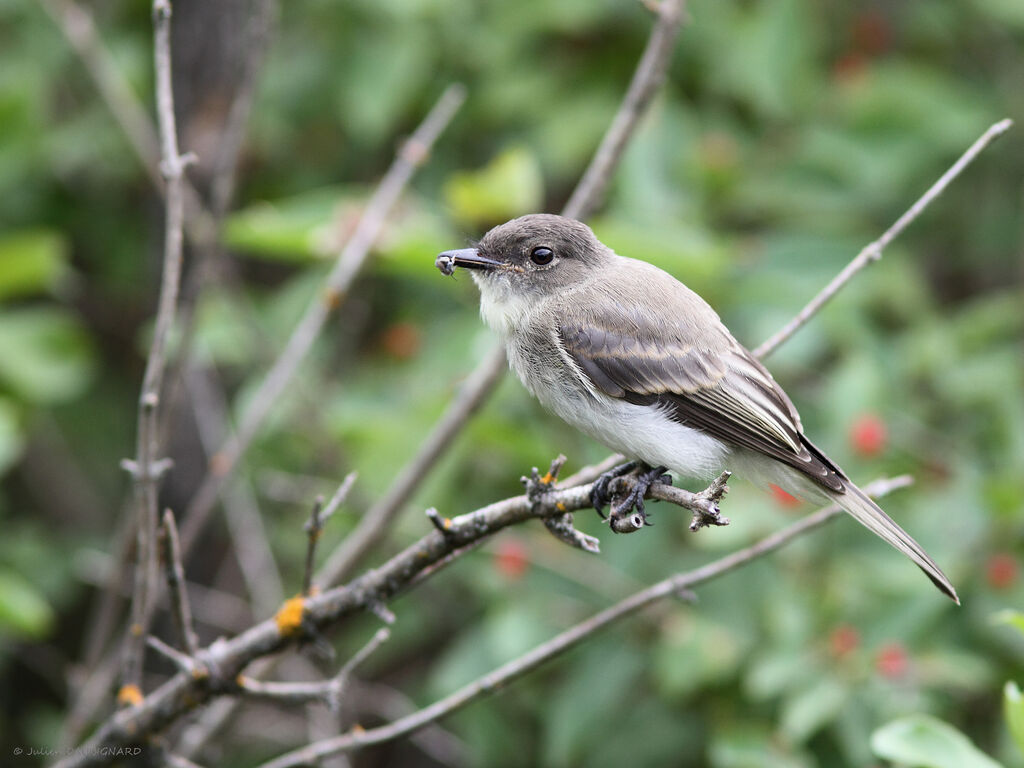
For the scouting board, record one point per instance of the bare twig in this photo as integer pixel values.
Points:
(873, 251)
(390, 704)
(225, 162)
(648, 76)
(250, 542)
(506, 673)
(181, 609)
(145, 468)
(328, 691)
(78, 28)
(375, 522)
(182, 661)
(348, 264)
(315, 527)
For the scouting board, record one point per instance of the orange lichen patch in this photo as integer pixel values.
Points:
(136, 630)
(289, 617)
(548, 479)
(447, 523)
(241, 681)
(357, 728)
(560, 506)
(129, 695)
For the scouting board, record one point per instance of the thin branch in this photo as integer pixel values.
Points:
(181, 609)
(327, 691)
(372, 525)
(224, 164)
(647, 78)
(315, 526)
(181, 660)
(571, 637)
(250, 542)
(873, 251)
(146, 469)
(348, 264)
(370, 592)
(78, 27)
(389, 703)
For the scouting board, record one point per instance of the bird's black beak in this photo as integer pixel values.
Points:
(469, 258)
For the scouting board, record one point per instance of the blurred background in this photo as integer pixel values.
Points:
(789, 134)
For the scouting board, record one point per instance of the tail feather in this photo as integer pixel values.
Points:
(871, 516)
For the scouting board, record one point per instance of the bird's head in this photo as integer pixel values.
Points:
(529, 258)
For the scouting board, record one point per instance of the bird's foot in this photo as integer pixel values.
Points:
(600, 493)
(627, 513)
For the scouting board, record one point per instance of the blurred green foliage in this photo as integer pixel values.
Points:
(789, 134)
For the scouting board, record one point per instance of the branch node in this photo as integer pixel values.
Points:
(707, 513)
(561, 527)
(537, 486)
(442, 524)
(157, 469)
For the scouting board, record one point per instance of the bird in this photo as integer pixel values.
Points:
(630, 356)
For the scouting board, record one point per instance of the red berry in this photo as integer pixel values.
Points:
(892, 661)
(510, 559)
(868, 435)
(1001, 571)
(784, 499)
(843, 640)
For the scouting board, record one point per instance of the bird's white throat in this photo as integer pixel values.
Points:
(502, 309)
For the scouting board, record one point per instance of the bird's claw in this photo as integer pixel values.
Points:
(628, 514)
(600, 492)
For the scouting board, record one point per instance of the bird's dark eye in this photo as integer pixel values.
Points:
(541, 255)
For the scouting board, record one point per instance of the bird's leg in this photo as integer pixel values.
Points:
(599, 495)
(623, 517)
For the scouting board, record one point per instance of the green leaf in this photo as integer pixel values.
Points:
(10, 435)
(46, 356)
(812, 708)
(1014, 618)
(1013, 711)
(509, 186)
(23, 610)
(694, 653)
(292, 229)
(922, 741)
(31, 261)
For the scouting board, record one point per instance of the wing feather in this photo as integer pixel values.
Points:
(717, 386)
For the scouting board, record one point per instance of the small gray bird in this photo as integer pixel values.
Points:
(632, 357)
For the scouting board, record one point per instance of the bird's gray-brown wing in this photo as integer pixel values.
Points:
(705, 380)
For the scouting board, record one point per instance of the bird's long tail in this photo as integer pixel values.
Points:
(871, 516)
